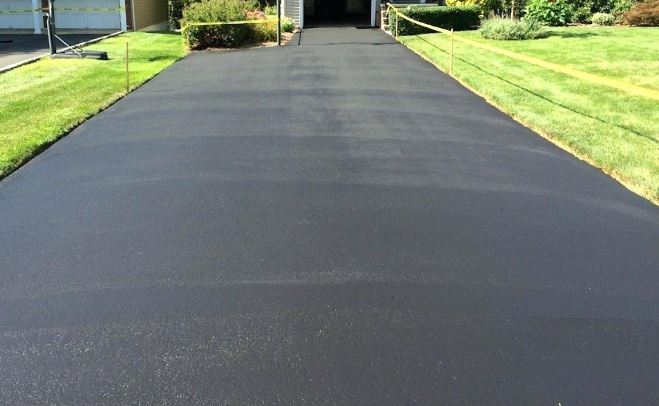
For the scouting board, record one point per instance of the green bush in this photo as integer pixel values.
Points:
(267, 31)
(508, 29)
(490, 8)
(582, 12)
(457, 18)
(620, 6)
(211, 11)
(485, 6)
(175, 11)
(643, 14)
(603, 19)
(264, 32)
(270, 10)
(549, 12)
(287, 25)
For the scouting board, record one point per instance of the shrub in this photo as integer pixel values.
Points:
(175, 11)
(268, 31)
(485, 6)
(287, 25)
(620, 6)
(508, 29)
(643, 14)
(457, 18)
(582, 12)
(208, 11)
(549, 12)
(603, 19)
(270, 10)
(264, 32)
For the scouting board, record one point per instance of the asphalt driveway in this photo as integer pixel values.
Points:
(330, 223)
(16, 48)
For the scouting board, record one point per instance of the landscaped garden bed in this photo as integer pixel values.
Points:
(230, 24)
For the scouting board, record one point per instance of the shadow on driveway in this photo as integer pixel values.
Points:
(15, 48)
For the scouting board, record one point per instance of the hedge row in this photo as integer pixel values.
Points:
(232, 36)
(455, 17)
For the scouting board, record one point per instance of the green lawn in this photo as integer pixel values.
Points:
(610, 129)
(43, 101)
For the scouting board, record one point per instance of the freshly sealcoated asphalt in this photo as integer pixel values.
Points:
(331, 223)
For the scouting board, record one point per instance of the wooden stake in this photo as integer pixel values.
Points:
(278, 23)
(127, 74)
(450, 68)
(397, 18)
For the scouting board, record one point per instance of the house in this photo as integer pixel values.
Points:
(360, 13)
(85, 15)
(309, 13)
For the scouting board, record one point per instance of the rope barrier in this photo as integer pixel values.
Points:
(600, 80)
(14, 12)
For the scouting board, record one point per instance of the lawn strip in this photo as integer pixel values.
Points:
(43, 101)
(610, 129)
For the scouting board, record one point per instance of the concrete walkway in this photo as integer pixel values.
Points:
(331, 223)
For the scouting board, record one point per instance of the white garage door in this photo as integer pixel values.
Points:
(91, 14)
(15, 14)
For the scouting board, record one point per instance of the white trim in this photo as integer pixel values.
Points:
(123, 22)
(301, 11)
(373, 11)
(132, 14)
(37, 16)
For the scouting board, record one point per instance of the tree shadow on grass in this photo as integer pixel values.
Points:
(159, 58)
(622, 127)
(568, 34)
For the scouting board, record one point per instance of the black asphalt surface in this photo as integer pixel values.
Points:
(331, 223)
(15, 48)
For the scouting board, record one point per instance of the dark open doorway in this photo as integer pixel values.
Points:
(337, 12)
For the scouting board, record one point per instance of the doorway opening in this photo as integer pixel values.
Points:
(319, 13)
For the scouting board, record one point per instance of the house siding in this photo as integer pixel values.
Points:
(292, 10)
(16, 21)
(149, 12)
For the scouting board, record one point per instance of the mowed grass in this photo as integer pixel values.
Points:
(611, 129)
(43, 101)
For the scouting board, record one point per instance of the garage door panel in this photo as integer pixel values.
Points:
(16, 14)
(108, 18)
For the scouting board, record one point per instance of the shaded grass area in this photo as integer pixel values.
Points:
(43, 101)
(612, 130)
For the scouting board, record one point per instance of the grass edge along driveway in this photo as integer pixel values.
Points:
(43, 101)
(609, 129)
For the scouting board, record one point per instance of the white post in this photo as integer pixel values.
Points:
(123, 23)
(37, 15)
(373, 11)
(301, 14)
